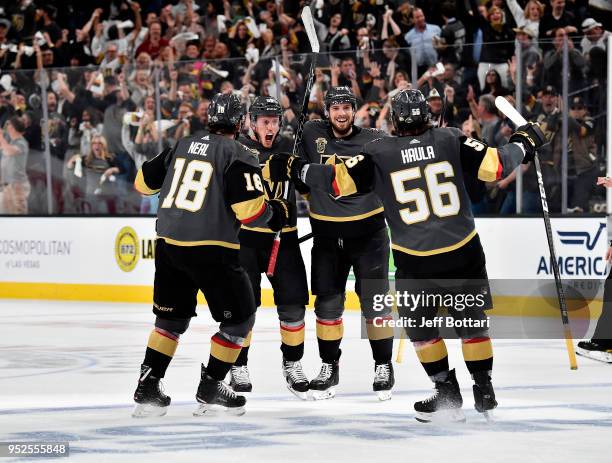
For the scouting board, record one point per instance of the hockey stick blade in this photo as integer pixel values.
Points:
(506, 108)
(310, 29)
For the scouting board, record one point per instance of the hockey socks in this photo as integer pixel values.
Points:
(381, 340)
(329, 336)
(224, 351)
(292, 340)
(160, 350)
(434, 357)
(243, 357)
(478, 355)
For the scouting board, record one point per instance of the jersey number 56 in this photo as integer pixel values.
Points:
(436, 190)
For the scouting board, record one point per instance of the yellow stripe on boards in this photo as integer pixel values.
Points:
(508, 306)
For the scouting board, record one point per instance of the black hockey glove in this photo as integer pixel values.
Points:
(531, 137)
(283, 213)
(284, 166)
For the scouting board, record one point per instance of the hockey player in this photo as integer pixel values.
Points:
(600, 346)
(208, 184)
(419, 177)
(289, 281)
(349, 232)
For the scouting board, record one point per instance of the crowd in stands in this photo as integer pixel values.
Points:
(120, 80)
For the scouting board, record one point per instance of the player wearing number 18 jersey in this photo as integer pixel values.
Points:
(208, 185)
(419, 178)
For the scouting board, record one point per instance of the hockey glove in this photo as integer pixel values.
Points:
(283, 166)
(531, 137)
(283, 213)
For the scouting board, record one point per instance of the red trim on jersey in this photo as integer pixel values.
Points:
(475, 340)
(335, 185)
(293, 328)
(256, 216)
(222, 342)
(330, 322)
(500, 167)
(166, 334)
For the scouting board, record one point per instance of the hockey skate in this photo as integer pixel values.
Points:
(484, 395)
(240, 381)
(594, 350)
(216, 396)
(297, 382)
(444, 405)
(384, 379)
(149, 396)
(323, 386)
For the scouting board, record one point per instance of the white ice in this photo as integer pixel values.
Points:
(68, 371)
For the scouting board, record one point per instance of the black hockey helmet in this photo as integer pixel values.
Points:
(336, 95)
(409, 110)
(225, 113)
(265, 106)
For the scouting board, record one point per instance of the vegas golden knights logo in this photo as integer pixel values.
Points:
(321, 143)
(273, 189)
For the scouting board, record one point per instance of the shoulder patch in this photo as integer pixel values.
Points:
(321, 143)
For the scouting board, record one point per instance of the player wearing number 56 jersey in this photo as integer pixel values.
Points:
(419, 178)
(208, 185)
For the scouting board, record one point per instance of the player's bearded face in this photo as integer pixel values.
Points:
(341, 117)
(266, 128)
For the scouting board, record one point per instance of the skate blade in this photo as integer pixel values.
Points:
(211, 410)
(451, 415)
(148, 410)
(383, 395)
(298, 394)
(324, 395)
(605, 357)
(489, 416)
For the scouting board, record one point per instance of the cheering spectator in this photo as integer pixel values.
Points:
(99, 168)
(528, 18)
(553, 63)
(498, 44)
(13, 159)
(154, 42)
(557, 18)
(421, 37)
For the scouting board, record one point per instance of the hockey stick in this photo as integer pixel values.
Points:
(511, 113)
(304, 238)
(314, 45)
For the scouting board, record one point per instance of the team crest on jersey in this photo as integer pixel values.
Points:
(321, 143)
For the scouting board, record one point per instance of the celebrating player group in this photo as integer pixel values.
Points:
(223, 196)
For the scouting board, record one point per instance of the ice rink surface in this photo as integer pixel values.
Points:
(68, 371)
